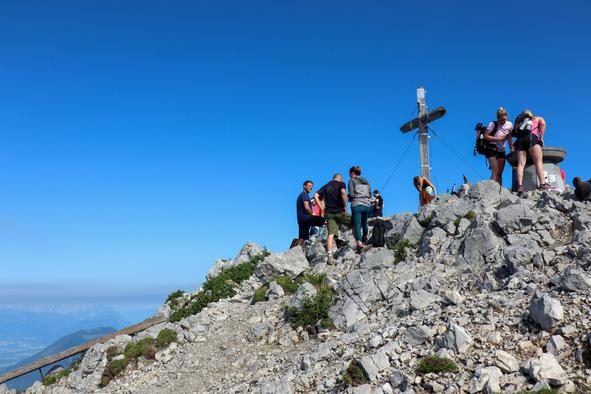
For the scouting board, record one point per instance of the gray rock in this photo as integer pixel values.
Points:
(456, 338)
(546, 311)
(370, 369)
(575, 279)
(506, 362)
(261, 330)
(516, 218)
(556, 345)
(290, 263)
(487, 192)
(306, 290)
(399, 379)
(421, 299)
(276, 387)
(378, 258)
(452, 297)
(487, 380)
(481, 244)
(417, 335)
(547, 369)
(88, 375)
(275, 291)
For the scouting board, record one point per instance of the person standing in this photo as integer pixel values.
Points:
(498, 132)
(305, 215)
(530, 130)
(359, 195)
(332, 198)
(378, 203)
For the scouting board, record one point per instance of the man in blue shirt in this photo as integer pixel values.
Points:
(306, 218)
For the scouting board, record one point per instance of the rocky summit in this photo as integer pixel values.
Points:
(482, 292)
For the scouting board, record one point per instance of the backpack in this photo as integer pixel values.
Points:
(523, 127)
(378, 235)
(484, 146)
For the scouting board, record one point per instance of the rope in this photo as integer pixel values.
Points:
(455, 153)
(399, 161)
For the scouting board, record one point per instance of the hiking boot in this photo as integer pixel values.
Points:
(330, 260)
(520, 190)
(545, 186)
(364, 239)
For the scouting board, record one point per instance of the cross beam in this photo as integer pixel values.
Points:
(421, 123)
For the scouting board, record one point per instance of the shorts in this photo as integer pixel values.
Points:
(305, 225)
(334, 220)
(527, 142)
(495, 153)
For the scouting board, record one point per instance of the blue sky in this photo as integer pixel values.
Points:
(140, 140)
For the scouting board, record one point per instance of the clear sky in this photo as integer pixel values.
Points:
(140, 140)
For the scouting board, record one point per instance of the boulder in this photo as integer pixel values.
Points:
(487, 192)
(275, 291)
(516, 218)
(456, 338)
(481, 244)
(290, 263)
(575, 279)
(547, 369)
(506, 361)
(421, 299)
(306, 290)
(556, 344)
(486, 380)
(417, 335)
(546, 311)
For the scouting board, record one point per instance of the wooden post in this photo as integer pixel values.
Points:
(423, 133)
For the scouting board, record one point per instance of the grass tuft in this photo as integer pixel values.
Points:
(53, 378)
(165, 337)
(260, 294)
(312, 309)
(288, 285)
(470, 215)
(399, 249)
(436, 364)
(354, 374)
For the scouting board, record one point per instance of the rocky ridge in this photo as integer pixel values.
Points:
(497, 285)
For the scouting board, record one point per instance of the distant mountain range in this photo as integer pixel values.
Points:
(60, 345)
(24, 334)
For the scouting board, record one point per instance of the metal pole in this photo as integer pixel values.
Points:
(423, 137)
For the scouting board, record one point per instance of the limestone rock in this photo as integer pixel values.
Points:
(506, 361)
(456, 338)
(547, 369)
(290, 263)
(546, 311)
(575, 279)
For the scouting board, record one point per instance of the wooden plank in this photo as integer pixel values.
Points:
(430, 117)
(79, 349)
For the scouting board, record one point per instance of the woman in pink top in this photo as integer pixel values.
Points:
(498, 134)
(531, 143)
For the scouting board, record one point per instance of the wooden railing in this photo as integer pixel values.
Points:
(37, 365)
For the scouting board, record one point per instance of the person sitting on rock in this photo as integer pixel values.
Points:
(498, 132)
(332, 198)
(529, 130)
(305, 215)
(427, 191)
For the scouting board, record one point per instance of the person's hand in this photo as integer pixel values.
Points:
(542, 143)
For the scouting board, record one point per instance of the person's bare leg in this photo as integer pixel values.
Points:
(521, 159)
(329, 242)
(492, 163)
(500, 169)
(537, 156)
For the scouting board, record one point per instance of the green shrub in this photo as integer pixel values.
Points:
(288, 285)
(173, 298)
(51, 379)
(112, 352)
(260, 294)
(399, 250)
(436, 364)
(112, 369)
(457, 222)
(316, 279)
(165, 337)
(219, 287)
(145, 348)
(470, 215)
(327, 323)
(312, 309)
(426, 221)
(354, 374)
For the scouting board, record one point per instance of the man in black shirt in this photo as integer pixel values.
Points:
(334, 206)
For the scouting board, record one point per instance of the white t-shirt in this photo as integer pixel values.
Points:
(502, 131)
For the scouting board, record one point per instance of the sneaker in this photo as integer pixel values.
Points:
(330, 260)
(359, 246)
(364, 239)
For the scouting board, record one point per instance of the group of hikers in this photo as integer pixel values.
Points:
(528, 130)
(329, 204)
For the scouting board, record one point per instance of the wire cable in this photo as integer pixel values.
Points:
(399, 161)
(455, 153)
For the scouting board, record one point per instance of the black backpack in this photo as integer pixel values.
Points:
(378, 235)
(483, 146)
(522, 127)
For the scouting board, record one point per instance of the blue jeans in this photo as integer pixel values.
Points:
(360, 214)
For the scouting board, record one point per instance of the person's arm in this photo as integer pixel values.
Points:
(510, 139)
(351, 190)
(488, 133)
(308, 208)
(542, 126)
(430, 184)
(344, 197)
